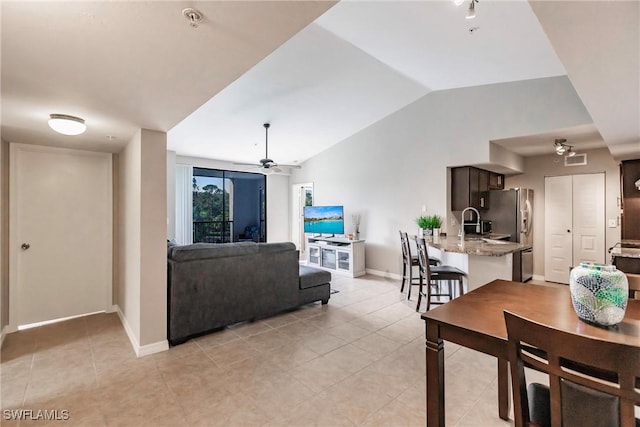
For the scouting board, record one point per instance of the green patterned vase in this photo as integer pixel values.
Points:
(599, 293)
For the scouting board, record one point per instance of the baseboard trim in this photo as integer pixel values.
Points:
(144, 350)
(156, 347)
(536, 277)
(128, 330)
(384, 274)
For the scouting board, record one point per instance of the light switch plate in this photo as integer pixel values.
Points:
(613, 223)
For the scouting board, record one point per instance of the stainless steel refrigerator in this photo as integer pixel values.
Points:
(511, 212)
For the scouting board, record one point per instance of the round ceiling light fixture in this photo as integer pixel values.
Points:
(67, 125)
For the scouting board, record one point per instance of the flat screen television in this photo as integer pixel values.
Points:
(324, 219)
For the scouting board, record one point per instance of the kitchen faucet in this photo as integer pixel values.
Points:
(462, 221)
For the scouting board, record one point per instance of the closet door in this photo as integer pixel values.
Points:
(574, 223)
(588, 219)
(558, 223)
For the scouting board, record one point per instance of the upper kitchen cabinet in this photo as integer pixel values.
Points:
(629, 174)
(470, 185)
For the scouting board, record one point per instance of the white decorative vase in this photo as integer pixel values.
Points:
(599, 293)
(436, 232)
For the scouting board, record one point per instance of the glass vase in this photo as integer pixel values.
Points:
(599, 293)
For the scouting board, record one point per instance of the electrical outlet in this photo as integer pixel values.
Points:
(453, 221)
(613, 223)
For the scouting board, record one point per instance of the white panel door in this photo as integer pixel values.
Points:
(588, 219)
(60, 234)
(558, 222)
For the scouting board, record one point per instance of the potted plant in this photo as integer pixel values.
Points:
(436, 223)
(424, 223)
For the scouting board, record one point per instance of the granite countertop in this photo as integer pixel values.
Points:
(627, 249)
(475, 246)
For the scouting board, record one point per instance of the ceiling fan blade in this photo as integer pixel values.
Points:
(290, 166)
(247, 164)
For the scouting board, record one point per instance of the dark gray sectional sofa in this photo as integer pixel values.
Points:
(214, 285)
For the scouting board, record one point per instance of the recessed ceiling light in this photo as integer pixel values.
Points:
(67, 125)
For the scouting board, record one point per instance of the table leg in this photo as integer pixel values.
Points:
(503, 389)
(435, 376)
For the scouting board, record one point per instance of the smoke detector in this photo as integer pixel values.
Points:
(193, 16)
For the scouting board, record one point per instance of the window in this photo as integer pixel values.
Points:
(228, 206)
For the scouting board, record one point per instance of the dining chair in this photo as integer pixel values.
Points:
(432, 276)
(592, 382)
(408, 262)
(634, 285)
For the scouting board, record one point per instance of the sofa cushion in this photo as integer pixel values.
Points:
(211, 250)
(267, 248)
(312, 277)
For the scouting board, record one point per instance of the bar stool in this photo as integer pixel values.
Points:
(408, 262)
(434, 275)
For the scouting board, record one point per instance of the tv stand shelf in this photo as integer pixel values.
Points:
(337, 255)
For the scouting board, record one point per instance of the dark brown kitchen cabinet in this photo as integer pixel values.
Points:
(469, 187)
(496, 181)
(629, 174)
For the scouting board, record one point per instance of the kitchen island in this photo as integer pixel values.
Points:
(483, 260)
(626, 256)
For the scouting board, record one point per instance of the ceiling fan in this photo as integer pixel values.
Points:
(266, 165)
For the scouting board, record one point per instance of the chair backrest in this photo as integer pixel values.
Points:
(423, 258)
(406, 248)
(581, 370)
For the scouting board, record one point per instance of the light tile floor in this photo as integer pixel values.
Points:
(357, 361)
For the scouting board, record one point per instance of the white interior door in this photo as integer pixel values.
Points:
(588, 218)
(60, 233)
(558, 223)
(574, 223)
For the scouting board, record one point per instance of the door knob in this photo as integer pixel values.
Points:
(25, 246)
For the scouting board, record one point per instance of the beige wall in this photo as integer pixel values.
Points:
(4, 234)
(142, 292)
(129, 190)
(538, 167)
(153, 242)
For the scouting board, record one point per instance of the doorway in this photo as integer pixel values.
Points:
(60, 233)
(574, 223)
(301, 196)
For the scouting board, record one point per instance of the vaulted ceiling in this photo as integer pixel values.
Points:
(318, 72)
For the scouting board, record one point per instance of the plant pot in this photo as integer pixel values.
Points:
(426, 232)
(599, 293)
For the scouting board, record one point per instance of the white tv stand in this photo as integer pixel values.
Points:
(336, 254)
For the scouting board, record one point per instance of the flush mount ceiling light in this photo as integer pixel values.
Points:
(193, 16)
(67, 125)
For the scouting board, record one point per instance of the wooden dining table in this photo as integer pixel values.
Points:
(476, 321)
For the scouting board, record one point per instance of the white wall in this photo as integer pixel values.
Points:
(390, 170)
(277, 195)
(142, 287)
(538, 167)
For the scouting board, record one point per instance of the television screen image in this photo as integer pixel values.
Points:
(324, 219)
